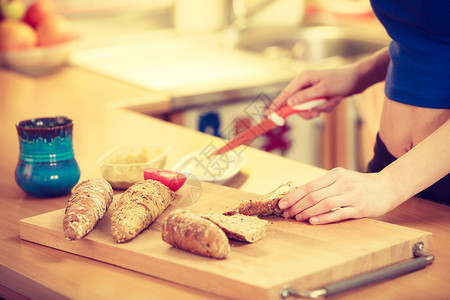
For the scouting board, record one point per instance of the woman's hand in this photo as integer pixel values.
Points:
(333, 84)
(338, 195)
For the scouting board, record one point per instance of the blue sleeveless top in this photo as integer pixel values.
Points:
(419, 71)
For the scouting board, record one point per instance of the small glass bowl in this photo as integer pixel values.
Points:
(124, 165)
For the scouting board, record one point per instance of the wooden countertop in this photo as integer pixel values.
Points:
(34, 271)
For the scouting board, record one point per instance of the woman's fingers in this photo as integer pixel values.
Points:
(300, 82)
(326, 205)
(299, 193)
(321, 198)
(310, 114)
(309, 92)
(315, 203)
(337, 215)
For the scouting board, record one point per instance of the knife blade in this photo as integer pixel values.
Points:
(272, 121)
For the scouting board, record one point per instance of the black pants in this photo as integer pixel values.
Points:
(439, 192)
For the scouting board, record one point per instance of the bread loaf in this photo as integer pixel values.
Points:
(138, 207)
(239, 227)
(265, 205)
(188, 231)
(86, 206)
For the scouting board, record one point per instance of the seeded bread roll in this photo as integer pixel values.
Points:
(188, 231)
(86, 206)
(239, 227)
(138, 207)
(265, 205)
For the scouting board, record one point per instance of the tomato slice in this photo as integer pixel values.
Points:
(173, 180)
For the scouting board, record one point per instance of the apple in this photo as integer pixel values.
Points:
(54, 30)
(12, 9)
(38, 11)
(16, 35)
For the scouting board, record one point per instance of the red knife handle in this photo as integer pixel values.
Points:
(285, 111)
(280, 115)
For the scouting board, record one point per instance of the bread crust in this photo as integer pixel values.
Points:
(86, 206)
(138, 207)
(188, 231)
(265, 205)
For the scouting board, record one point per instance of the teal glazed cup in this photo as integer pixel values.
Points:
(47, 165)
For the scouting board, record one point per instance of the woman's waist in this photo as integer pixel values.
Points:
(403, 126)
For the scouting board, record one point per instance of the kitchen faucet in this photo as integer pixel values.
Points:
(240, 15)
(242, 12)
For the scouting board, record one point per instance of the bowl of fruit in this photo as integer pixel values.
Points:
(34, 39)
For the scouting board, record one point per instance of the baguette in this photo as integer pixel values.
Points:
(86, 206)
(188, 231)
(265, 205)
(138, 207)
(239, 227)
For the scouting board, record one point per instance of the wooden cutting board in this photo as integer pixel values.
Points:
(292, 253)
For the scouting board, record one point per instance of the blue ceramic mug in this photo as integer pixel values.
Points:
(47, 165)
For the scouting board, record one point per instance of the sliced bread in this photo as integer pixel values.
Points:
(265, 205)
(239, 227)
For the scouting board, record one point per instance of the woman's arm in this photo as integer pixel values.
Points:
(421, 166)
(371, 70)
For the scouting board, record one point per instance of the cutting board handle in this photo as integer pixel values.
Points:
(420, 261)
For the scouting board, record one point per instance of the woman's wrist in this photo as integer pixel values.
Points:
(398, 193)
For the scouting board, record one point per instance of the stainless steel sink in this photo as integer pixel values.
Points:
(313, 44)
